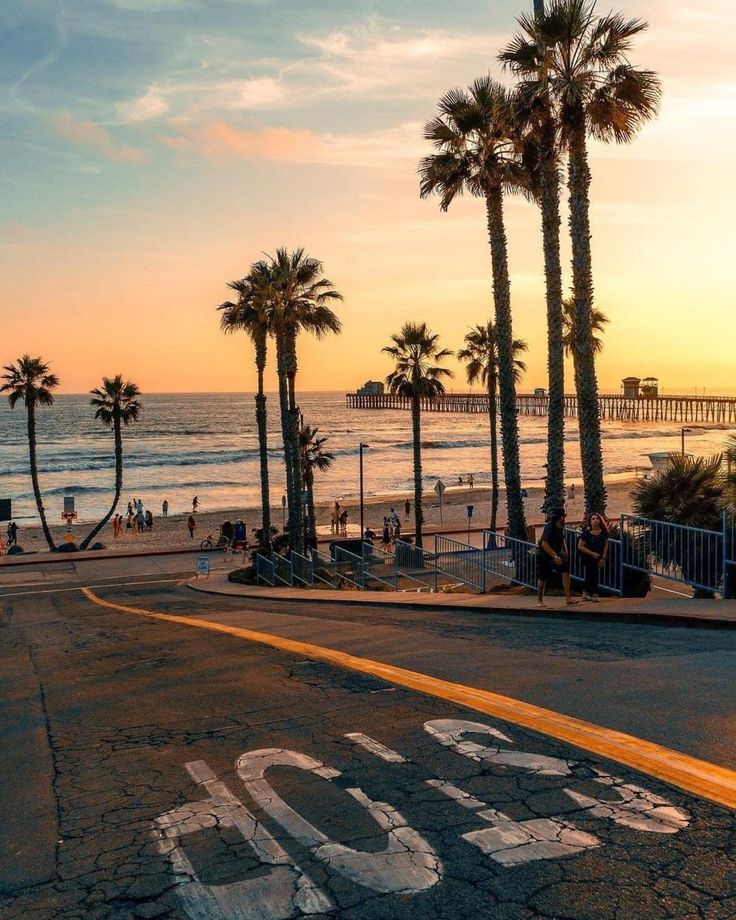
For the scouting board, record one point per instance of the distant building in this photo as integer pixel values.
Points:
(631, 387)
(371, 388)
(540, 392)
(636, 388)
(650, 387)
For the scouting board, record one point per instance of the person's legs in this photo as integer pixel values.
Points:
(540, 592)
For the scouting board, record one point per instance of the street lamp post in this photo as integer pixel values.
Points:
(362, 525)
(682, 436)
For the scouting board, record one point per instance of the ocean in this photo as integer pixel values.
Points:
(206, 445)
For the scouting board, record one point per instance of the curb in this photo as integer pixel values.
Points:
(587, 614)
(43, 558)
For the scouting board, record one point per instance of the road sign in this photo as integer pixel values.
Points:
(68, 504)
(5, 509)
(203, 566)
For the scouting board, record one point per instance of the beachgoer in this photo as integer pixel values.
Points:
(552, 557)
(593, 546)
(139, 506)
(370, 535)
(395, 525)
(195, 504)
(471, 480)
(334, 521)
(344, 522)
(571, 492)
(407, 508)
(130, 508)
(12, 534)
(386, 535)
(129, 521)
(191, 524)
(459, 480)
(165, 508)
(149, 520)
(141, 521)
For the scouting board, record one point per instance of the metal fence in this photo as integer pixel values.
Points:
(509, 558)
(675, 552)
(379, 567)
(415, 566)
(323, 569)
(264, 571)
(302, 569)
(348, 566)
(460, 561)
(282, 570)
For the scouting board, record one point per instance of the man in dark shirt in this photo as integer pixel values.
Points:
(552, 557)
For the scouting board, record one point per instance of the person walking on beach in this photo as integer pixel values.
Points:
(552, 557)
(195, 504)
(191, 524)
(407, 508)
(386, 535)
(12, 534)
(149, 520)
(165, 508)
(593, 547)
(471, 481)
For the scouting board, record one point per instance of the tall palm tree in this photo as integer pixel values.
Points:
(480, 355)
(29, 381)
(478, 145)
(416, 376)
(582, 61)
(535, 113)
(314, 458)
(296, 298)
(117, 405)
(598, 323)
(249, 314)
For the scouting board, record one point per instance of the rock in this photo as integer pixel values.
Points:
(67, 548)
(15, 550)
(98, 546)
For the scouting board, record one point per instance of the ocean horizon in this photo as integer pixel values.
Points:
(206, 444)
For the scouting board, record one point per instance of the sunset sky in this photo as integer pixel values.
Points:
(152, 149)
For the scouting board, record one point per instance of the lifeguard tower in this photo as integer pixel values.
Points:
(631, 387)
(650, 387)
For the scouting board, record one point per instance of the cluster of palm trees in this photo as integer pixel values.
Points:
(280, 297)
(573, 81)
(30, 381)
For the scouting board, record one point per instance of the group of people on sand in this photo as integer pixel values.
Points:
(470, 481)
(553, 558)
(339, 520)
(135, 519)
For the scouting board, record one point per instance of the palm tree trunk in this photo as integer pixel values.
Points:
(492, 418)
(262, 423)
(285, 429)
(550, 204)
(507, 388)
(118, 435)
(416, 428)
(296, 510)
(586, 383)
(34, 477)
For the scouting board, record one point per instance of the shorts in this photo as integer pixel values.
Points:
(546, 567)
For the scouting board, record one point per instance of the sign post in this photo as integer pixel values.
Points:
(469, 512)
(203, 566)
(439, 488)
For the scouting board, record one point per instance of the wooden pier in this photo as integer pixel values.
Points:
(714, 410)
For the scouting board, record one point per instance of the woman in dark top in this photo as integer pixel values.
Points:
(593, 547)
(552, 556)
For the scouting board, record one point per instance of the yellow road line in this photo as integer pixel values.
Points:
(718, 784)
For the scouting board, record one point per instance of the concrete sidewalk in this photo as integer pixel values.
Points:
(665, 611)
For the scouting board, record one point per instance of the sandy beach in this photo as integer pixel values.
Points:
(172, 533)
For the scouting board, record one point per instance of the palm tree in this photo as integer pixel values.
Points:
(117, 405)
(30, 381)
(416, 376)
(535, 113)
(313, 458)
(481, 357)
(478, 147)
(248, 314)
(581, 62)
(598, 322)
(295, 297)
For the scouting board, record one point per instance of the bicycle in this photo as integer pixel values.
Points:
(212, 542)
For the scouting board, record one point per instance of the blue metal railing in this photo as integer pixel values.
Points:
(610, 574)
(349, 566)
(302, 569)
(282, 570)
(323, 569)
(509, 558)
(379, 567)
(264, 571)
(415, 565)
(673, 551)
(460, 561)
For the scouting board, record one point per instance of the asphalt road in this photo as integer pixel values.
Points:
(154, 769)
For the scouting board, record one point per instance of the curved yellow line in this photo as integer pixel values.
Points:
(707, 780)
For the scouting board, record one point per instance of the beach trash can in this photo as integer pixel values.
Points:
(240, 533)
(227, 530)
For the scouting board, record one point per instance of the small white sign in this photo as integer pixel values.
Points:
(203, 565)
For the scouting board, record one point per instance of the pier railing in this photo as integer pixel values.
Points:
(717, 410)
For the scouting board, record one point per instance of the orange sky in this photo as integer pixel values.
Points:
(125, 215)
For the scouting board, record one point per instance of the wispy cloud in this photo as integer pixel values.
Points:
(90, 135)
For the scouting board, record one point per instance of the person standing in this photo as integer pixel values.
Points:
(165, 508)
(140, 519)
(386, 535)
(191, 524)
(471, 481)
(12, 534)
(344, 522)
(149, 520)
(195, 504)
(593, 547)
(552, 556)
(139, 506)
(407, 508)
